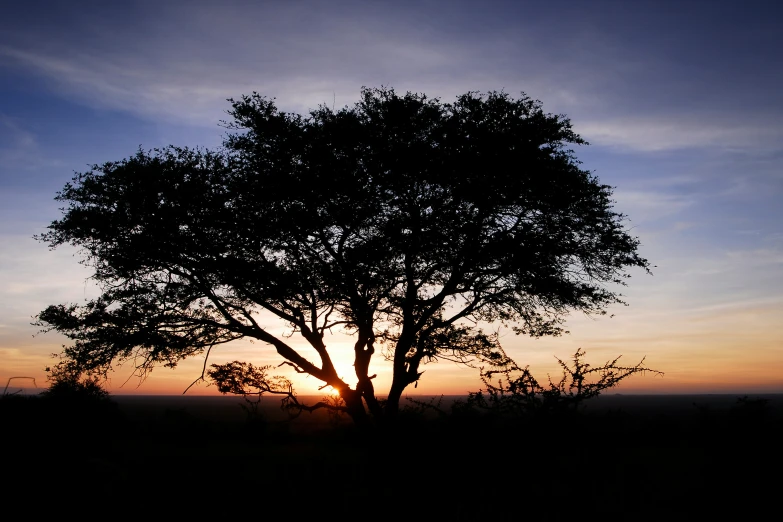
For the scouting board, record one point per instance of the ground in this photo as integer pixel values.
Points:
(642, 462)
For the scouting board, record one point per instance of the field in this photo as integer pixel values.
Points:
(623, 458)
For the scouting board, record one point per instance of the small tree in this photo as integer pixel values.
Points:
(77, 405)
(511, 390)
(70, 385)
(402, 220)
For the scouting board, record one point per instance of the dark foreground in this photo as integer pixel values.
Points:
(623, 458)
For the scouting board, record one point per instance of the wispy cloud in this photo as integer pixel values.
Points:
(307, 55)
(108, 83)
(656, 134)
(195, 91)
(19, 148)
(646, 206)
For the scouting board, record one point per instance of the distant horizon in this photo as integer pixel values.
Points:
(36, 391)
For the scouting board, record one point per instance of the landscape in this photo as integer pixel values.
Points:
(375, 260)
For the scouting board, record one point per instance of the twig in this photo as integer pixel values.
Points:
(203, 370)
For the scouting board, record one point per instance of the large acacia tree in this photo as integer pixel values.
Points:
(402, 220)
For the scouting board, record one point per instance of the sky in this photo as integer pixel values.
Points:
(681, 102)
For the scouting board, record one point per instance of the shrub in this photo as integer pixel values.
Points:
(517, 392)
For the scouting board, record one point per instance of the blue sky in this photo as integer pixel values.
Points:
(682, 103)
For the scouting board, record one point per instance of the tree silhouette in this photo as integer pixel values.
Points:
(514, 391)
(402, 220)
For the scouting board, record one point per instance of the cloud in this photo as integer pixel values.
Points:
(193, 90)
(32, 277)
(19, 147)
(13, 137)
(183, 72)
(110, 83)
(656, 134)
(651, 206)
(624, 91)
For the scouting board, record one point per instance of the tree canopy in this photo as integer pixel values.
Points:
(402, 220)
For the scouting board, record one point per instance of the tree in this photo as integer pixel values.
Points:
(77, 405)
(517, 392)
(402, 220)
(68, 386)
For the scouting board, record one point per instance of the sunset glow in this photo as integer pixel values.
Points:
(687, 127)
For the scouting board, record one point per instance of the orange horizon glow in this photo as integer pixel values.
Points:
(449, 379)
(729, 347)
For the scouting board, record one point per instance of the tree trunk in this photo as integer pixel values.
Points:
(393, 401)
(355, 407)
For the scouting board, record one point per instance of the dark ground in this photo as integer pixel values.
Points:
(623, 458)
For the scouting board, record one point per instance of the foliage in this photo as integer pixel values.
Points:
(243, 378)
(72, 386)
(335, 409)
(77, 406)
(247, 380)
(517, 391)
(403, 220)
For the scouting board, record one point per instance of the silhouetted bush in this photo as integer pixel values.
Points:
(78, 405)
(72, 388)
(518, 393)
